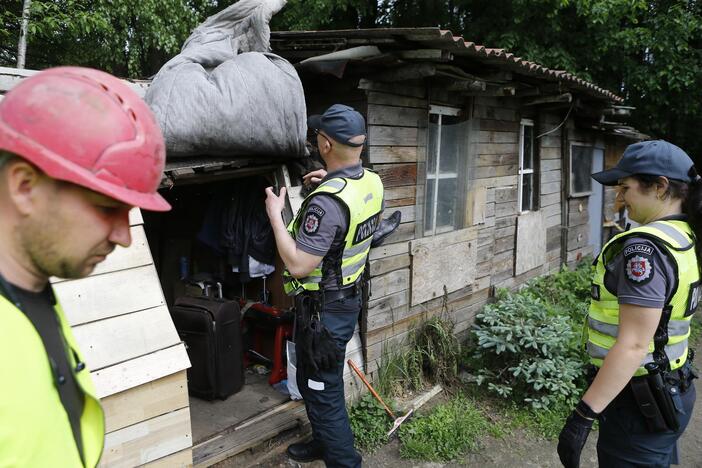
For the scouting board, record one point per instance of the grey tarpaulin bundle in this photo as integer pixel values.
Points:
(225, 95)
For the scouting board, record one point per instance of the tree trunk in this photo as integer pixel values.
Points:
(22, 46)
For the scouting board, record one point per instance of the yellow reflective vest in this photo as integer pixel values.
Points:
(35, 430)
(363, 200)
(675, 238)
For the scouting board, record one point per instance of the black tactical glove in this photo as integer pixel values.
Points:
(327, 354)
(574, 434)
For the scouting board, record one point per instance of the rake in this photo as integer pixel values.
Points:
(396, 421)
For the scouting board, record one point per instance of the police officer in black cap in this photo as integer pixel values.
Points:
(325, 249)
(645, 288)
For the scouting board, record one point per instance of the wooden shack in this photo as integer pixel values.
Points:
(487, 157)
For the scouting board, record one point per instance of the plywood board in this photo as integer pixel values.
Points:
(130, 374)
(182, 459)
(442, 261)
(117, 339)
(146, 401)
(531, 242)
(102, 296)
(148, 440)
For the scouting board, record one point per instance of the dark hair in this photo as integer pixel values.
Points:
(691, 196)
(6, 157)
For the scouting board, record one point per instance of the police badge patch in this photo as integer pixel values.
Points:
(311, 224)
(639, 269)
(313, 217)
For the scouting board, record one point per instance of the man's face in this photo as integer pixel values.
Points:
(73, 229)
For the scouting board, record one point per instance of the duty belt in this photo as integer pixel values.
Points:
(330, 295)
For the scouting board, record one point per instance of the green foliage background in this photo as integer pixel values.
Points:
(647, 51)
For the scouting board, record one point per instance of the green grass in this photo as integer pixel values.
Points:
(447, 432)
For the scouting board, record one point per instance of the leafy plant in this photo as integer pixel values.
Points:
(528, 346)
(449, 431)
(369, 423)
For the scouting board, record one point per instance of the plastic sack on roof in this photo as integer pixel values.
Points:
(226, 95)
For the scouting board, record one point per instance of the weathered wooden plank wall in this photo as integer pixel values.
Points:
(397, 122)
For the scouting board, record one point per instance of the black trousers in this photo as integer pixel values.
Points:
(323, 391)
(624, 441)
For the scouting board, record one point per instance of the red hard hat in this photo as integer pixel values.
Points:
(86, 127)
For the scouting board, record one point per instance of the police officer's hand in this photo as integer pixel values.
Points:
(275, 204)
(574, 434)
(314, 177)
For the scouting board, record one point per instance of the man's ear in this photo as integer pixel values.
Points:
(24, 182)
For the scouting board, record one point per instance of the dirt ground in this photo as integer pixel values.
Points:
(519, 449)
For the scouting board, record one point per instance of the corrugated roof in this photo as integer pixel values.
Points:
(457, 45)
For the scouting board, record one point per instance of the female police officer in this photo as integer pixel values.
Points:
(644, 292)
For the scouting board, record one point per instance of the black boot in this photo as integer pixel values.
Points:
(307, 452)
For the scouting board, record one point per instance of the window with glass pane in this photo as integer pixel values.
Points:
(446, 143)
(580, 169)
(526, 190)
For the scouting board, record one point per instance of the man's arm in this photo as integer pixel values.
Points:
(298, 262)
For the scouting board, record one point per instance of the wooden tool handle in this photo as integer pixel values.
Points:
(372, 390)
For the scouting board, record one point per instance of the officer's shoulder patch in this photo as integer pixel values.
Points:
(316, 209)
(638, 262)
(638, 248)
(313, 218)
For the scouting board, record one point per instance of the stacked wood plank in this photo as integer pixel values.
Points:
(121, 322)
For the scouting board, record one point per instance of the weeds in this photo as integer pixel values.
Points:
(369, 423)
(430, 354)
(448, 432)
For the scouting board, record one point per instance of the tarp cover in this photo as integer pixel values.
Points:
(225, 95)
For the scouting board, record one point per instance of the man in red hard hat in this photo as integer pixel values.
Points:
(78, 149)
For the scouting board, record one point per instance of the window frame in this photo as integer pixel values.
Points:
(520, 168)
(437, 175)
(571, 191)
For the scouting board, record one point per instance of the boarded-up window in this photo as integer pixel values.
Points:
(443, 263)
(527, 178)
(447, 153)
(581, 158)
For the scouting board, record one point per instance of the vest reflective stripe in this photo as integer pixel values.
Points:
(674, 352)
(603, 319)
(681, 240)
(675, 327)
(363, 199)
(360, 248)
(34, 427)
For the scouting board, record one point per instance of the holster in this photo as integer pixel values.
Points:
(653, 397)
(316, 346)
(648, 405)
